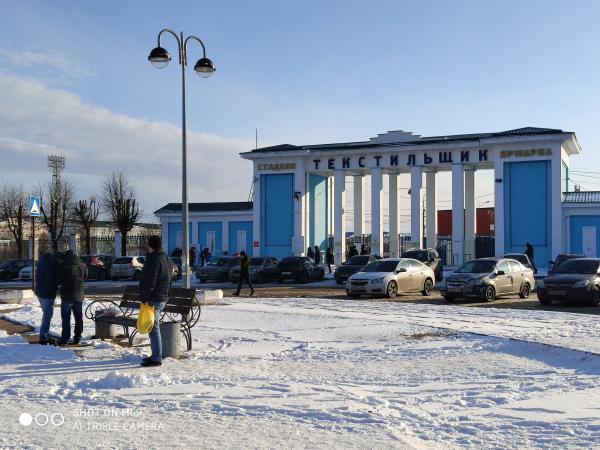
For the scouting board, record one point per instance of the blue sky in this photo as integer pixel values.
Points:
(301, 72)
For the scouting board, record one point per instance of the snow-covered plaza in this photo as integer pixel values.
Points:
(306, 373)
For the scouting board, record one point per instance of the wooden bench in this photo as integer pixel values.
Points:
(181, 306)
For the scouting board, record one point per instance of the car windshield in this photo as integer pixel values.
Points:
(219, 262)
(290, 260)
(123, 260)
(583, 266)
(381, 266)
(419, 255)
(477, 266)
(257, 261)
(517, 256)
(358, 260)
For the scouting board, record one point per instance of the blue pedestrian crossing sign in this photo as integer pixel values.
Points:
(34, 207)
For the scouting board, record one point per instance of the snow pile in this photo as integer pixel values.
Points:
(121, 380)
(15, 350)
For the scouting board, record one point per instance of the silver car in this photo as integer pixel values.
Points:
(391, 276)
(127, 267)
(489, 278)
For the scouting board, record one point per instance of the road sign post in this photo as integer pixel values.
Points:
(34, 211)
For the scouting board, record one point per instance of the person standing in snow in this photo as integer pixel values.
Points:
(155, 284)
(244, 273)
(309, 253)
(70, 276)
(317, 255)
(46, 287)
(329, 258)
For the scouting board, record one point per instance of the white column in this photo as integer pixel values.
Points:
(394, 218)
(340, 216)
(499, 206)
(470, 214)
(298, 241)
(359, 217)
(416, 206)
(458, 214)
(376, 194)
(256, 225)
(556, 209)
(430, 209)
(330, 206)
(307, 217)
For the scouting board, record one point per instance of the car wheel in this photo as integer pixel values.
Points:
(392, 289)
(322, 276)
(449, 298)
(224, 278)
(547, 301)
(136, 276)
(595, 299)
(354, 295)
(427, 287)
(339, 281)
(115, 278)
(101, 275)
(524, 292)
(280, 280)
(489, 294)
(302, 278)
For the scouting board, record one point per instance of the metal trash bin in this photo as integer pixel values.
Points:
(170, 336)
(105, 330)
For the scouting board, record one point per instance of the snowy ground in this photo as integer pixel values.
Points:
(269, 373)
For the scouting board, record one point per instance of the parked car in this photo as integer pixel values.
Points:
(489, 278)
(217, 269)
(10, 269)
(574, 279)
(298, 268)
(522, 258)
(430, 258)
(98, 266)
(353, 265)
(25, 273)
(261, 270)
(127, 267)
(391, 276)
(561, 258)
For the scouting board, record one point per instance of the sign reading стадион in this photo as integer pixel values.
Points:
(277, 166)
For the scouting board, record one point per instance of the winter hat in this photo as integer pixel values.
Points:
(154, 242)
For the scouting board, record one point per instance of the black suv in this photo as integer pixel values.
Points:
(298, 268)
(353, 265)
(430, 258)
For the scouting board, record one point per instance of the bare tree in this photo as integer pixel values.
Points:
(57, 199)
(86, 213)
(120, 204)
(13, 210)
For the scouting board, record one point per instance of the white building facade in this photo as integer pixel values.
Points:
(300, 191)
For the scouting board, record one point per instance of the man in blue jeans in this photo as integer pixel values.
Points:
(46, 287)
(155, 284)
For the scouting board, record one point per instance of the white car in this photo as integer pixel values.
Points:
(127, 267)
(25, 273)
(389, 277)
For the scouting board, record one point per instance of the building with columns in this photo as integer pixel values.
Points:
(300, 191)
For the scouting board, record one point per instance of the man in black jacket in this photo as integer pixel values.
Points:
(71, 275)
(46, 287)
(155, 284)
(244, 273)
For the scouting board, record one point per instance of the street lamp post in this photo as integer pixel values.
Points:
(159, 58)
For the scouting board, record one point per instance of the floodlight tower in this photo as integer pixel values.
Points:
(56, 164)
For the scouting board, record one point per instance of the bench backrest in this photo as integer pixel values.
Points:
(180, 300)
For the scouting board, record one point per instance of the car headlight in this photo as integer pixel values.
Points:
(475, 282)
(377, 280)
(581, 284)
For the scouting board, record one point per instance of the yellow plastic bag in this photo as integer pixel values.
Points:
(145, 320)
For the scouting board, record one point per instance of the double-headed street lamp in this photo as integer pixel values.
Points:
(159, 58)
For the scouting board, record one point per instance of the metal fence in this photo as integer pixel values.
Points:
(137, 245)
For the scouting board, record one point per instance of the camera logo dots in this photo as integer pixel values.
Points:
(42, 419)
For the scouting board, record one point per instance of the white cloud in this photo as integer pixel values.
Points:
(36, 120)
(43, 62)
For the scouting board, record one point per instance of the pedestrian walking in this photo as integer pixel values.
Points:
(317, 255)
(309, 253)
(203, 256)
(329, 258)
(363, 249)
(192, 257)
(155, 284)
(46, 287)
(529, 253)
(71, 274)
(244, 273)
(353, 252)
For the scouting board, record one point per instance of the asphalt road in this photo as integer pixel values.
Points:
(328, 289)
